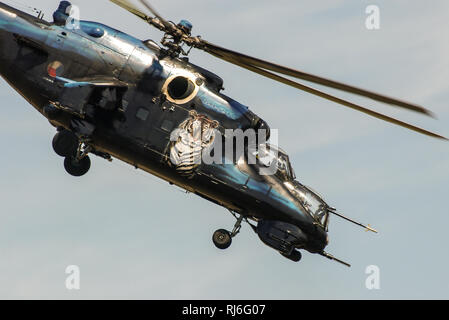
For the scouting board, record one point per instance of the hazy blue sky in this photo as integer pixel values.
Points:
(134, 236)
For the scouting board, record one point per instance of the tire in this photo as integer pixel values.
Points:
(65, 143)
(222, 239)
(77, 168)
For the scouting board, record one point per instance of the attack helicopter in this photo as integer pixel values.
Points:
(112, 95)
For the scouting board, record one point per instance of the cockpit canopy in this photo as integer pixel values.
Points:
(275, 159)
(311, 201)
(277, 163)
(270, 156)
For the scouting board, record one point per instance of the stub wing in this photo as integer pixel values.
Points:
(77, 95)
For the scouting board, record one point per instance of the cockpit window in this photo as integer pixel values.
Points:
(311, 201)
(270, 156)
(284, 171)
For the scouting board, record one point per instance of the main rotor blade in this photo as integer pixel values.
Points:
(166, 24)
(326, 96)
(245, 59)
(130, 7)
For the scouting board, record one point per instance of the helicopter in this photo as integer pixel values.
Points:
(114, 96)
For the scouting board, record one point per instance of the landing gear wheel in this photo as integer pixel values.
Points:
(65, 143)
(75, 167)
(222, 239)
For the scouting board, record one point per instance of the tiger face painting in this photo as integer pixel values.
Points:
(193, 136)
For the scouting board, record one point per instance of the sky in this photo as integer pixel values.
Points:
(133, 236)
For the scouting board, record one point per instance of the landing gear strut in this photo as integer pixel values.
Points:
(78, 164)
(223, 238)
(75, 151)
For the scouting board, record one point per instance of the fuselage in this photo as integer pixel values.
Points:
(34, 52)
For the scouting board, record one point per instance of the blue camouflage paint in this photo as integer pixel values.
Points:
(258, 186)
(275, 195)
(221, 104)
(228, 172)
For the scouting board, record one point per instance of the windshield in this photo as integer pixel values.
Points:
(311, 201)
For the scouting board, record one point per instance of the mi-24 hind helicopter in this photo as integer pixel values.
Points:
(113, 95)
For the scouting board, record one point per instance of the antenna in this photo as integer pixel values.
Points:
(28, 8)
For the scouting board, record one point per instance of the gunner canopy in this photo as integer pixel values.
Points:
(270, 156)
